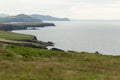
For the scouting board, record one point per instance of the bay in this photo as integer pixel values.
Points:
(83, 35)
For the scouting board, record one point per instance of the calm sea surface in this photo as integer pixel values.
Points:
(90, 36)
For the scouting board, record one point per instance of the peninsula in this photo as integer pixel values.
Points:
(20, 22)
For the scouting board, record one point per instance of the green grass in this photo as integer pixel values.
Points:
(24, 63)
(35, 52)
(6, 55)
(15, 36)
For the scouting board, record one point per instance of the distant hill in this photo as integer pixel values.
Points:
(4, 15)
(29, 18)
(19, 18)
(48, 18)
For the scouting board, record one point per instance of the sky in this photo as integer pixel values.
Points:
(74, 9)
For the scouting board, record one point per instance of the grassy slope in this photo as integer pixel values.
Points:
(15, 36)
(18, 39)
(25, 63)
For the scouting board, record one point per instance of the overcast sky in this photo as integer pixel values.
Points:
(74, 9)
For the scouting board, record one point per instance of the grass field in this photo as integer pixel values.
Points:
(26, 63)
(15, 36)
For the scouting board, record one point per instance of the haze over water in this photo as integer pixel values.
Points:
(83, 35)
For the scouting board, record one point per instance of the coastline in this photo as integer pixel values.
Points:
(50, 43)
(6, 28)
(29, 61)
(23, 25)
(67, 50)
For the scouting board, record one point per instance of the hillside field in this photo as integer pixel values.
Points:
(28, 63)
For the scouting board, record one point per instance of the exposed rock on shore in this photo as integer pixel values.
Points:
(56, 49)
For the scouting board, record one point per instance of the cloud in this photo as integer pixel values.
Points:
(81, 9)
(99, 1)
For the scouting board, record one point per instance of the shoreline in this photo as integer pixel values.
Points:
(45, 44)
(52, 44)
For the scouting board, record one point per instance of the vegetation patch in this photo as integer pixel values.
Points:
(25, 63)
(15, 36)
(35, 52)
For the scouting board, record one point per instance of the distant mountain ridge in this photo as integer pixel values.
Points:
(29, 18)
(48, 18)
(19, 18)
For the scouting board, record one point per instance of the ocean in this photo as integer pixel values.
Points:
(83, 35)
